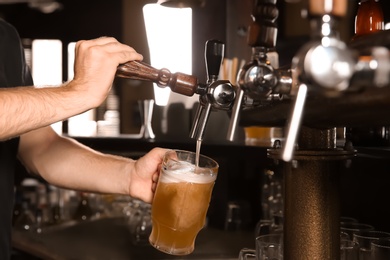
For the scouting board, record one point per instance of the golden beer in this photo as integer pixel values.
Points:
(180, 204)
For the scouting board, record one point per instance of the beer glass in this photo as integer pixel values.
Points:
(181, 201)
(364, 240)
(268, 247)
(380, 249)
(351, 228)
(349, 249)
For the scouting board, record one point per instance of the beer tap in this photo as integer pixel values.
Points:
(215, 94)
(258, 81)
(220, 94)
(323, 66)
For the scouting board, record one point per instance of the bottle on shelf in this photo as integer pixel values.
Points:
(369, 18)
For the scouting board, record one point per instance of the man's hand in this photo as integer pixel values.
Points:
(144, 175)
(96, 62)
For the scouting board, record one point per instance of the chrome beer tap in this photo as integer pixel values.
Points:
(327, 67)
(258, 81)
(323, 66)
(219, 94)
(215, 94)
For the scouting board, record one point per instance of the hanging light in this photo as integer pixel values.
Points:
(182, 3)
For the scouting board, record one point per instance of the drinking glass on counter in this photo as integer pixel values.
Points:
(181, 201)
(234, 218)
(237, 215)
(247, 253)
(138, 214)
(267, 247)
(265, 227)
(349, 250)
(364, 240)
(141, 229)
(380, 249)
(354, 227)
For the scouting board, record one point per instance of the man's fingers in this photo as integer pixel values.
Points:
(108, 45)
(94, 42)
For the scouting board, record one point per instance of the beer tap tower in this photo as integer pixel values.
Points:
(330, 84)
(215, 94)
(310, 160)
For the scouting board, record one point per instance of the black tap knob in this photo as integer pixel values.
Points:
(214, 53)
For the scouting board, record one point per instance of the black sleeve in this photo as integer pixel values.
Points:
(13, 67)
(13, 72)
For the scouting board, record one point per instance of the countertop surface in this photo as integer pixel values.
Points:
(109, 238)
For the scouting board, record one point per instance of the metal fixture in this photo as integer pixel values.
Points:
(220, 94)
(215, 94)
(260, 82)
(324, 65)
(330, 84)
(328, 73)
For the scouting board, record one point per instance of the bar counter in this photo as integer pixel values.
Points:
(239, 178)
(110, 238)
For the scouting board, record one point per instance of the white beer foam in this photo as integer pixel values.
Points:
(175, 172)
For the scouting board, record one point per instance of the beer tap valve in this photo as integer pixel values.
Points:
(217, 94)
(258, 81)
(324, 66)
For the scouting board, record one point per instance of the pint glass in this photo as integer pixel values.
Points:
(181, 201)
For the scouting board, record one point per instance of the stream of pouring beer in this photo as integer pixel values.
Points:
(198, 144)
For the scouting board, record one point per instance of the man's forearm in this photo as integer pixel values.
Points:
(24, 109)
(67, 163)
(73, 165)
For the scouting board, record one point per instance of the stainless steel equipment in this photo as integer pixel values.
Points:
(215, 94)
(330, 84)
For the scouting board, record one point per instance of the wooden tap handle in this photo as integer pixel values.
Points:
(178, 82)
(137, 70)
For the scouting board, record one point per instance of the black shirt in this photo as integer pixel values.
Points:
(13, 72)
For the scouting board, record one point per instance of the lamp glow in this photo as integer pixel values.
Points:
(169, 35)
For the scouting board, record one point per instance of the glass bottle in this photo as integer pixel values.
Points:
(369, 18)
